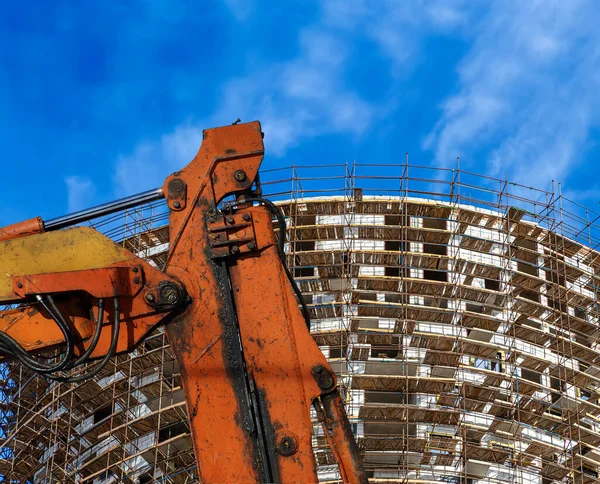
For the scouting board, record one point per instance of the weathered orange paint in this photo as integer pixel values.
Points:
(247, 359)
(279, 352)
(34, 329)
(22, 229)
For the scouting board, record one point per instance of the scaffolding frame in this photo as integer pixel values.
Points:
(460, 312)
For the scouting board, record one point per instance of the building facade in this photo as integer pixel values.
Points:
(460, 315)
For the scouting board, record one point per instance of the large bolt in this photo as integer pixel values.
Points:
(240, 175)
(176, 185)
(287, 445)
(325, 381)
(323, 377)
(169, 294)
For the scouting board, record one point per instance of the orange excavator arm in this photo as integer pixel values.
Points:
(250, 368)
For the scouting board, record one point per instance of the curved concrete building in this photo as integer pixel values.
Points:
(461, 315)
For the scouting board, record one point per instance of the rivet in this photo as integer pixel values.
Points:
(235, 249)
(136, 280)
(230, 220)
(246, 217)
(240, 175)
(135, 269)
(19, 285)
(251, 246)
(176, 204)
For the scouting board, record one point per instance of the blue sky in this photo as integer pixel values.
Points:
(102, 99)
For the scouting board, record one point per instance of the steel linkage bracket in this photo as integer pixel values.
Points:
(231, 235)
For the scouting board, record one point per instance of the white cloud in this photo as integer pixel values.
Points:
(396, 27)
(528, 88)
(308, 95)
(297, 99)
(152, 161)
(80, 192)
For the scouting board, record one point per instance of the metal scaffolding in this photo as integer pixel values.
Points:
(460, 312)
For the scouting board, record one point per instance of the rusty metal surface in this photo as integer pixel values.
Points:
(244, 350)
(81, 266)
(246, 357)
(22, 229)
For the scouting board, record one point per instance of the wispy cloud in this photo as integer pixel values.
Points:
(311, 94)
(526, 99)
(80, 192)
(297, 99)
(524, 94)
(398, 28)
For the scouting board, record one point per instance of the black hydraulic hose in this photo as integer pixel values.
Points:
(102, 210)
(85, 356)
(10, 347)
(111, 352)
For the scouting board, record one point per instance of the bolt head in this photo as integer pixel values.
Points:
(325, 381)
(19, 285)
(150, 297)
(251, 246)
(169, 294)
(176, 204)
(235, 249)
(176, 185)
(135, 269)
(246, 217)
(287, 445)
(318, 369)
(240, 175)
(136, 280)
(230, 220)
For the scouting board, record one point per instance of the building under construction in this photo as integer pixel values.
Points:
(459, 311)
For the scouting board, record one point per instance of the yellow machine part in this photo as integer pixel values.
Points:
(73, 249)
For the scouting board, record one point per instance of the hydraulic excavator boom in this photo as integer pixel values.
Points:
(249, 366)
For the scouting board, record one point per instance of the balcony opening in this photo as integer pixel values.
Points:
(386, 351)
(492, 284)
(172, 430)
(434, 223)
(394, 245)
(394, 220)
(435, 275)
(392, 271)
(304, 271)
(103, 412)
(304, 245)
(338, 352)
(531, 295)
(527, 268)
(437, 249)
(305, 220)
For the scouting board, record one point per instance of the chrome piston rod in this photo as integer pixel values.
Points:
(102, 210)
